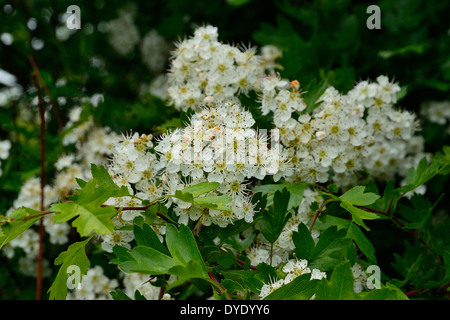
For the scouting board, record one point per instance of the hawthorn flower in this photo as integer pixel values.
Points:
(117, 238)
(337, 139)
(5, 146)
(293, 268)
(201, 67)
(218, 145)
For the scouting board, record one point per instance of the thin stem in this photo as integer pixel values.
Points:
(385, 213)
(396, 220)
(217, 284)
(415, 292)
(271, 253)
(241, 262)
(142, 208)
(31, 216)
(47, 92)
(41, 223)
(321, 188)
(162, 290)
(317, 213)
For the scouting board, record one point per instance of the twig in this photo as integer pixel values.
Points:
(218, 285)
(385, 213)
(162, 290)
(142, 208)
(317, 213)
(414, 292)
(41, 223)
(32, 216)
(396, 220)
(47, 92)
(321, 188)
(241, 262)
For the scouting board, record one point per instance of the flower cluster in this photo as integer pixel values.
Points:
(284, 246)
(132, 165)
(217, 146)
(123, 33)
(95, 285)
(140, 282)
(5, 146)
(202, 66)
(345, 134)
(154, 51)
(359, 278)
(293, 268)
(436, 111)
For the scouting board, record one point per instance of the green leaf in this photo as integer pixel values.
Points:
(87, 208)
(119, 295)
(423, 173)
(326, 221)
(313, 91)
(90, 217)
(356, 196)
(419, 215)
(358, 215)
(250, 279)
(388, 292)
(12, 229)
(75, 255)
(147, 237)
(184, 261)
(417, 48)
(214, 202)
(296, 191)
(339, 287)
(301, 288)
(200, 188)
(191, 194)
(304, 243)
(182, 245)
(146, 260)
(232, 286)
(366, 247)
(330, 249)
(273, 221)
(238, 3)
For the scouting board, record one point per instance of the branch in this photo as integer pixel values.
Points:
(31, 216)
(141, 208)
(318, 212)
(47, 92)
(217, 284)
(241, 262)
(41, 223)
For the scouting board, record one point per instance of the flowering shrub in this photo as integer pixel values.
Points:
(227, 175)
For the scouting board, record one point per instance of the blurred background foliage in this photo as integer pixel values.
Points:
(320, 39)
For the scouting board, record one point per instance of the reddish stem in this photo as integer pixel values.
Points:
(414, 292)
(41, 224)
(47, 92)
(219, 286)
(317, 214)
(241, 262)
